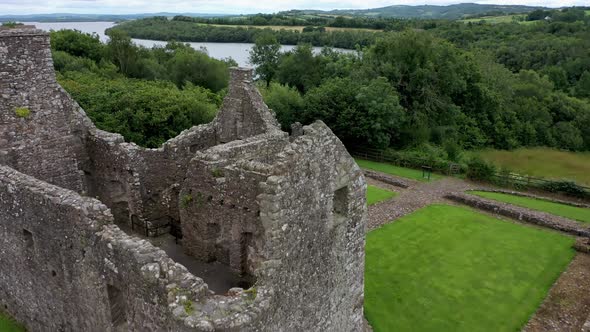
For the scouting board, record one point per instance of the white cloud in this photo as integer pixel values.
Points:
(227, 6)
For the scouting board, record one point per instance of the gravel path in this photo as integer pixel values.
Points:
(416, 196)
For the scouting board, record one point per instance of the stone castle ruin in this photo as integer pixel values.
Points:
(269, 227)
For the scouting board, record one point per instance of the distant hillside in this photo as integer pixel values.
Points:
(428, 11)
(65, 17)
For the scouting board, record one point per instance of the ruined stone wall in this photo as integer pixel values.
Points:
(313, 211)
(48, 141)
(219, 208)
(289, 210)
(67, 267)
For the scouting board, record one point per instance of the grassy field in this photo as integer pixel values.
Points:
(395, 170)
(376, 195)
(543, 162)
(499, 19)
(7, 324)
(568, 211)
(286, 27)
(446, 268)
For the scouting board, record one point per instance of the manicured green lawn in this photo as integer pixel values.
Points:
(7, 324)
(543, 162)
(376, 195)
(568, 211)
(447, 268)
(409, 173)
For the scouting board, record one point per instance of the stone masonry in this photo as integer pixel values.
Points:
(288, 212)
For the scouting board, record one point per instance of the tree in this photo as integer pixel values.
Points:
(122, 51)
(265, 56)
(286, 102)
(299, 68)
(582, 88)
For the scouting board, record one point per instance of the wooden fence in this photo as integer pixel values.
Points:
(500, 178)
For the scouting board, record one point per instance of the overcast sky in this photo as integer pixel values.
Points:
(229, 6)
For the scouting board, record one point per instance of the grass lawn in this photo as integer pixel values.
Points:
(376, 195)
(447, 268)
(558, 209)
(543, 162)
(7, 324)
(409, 173)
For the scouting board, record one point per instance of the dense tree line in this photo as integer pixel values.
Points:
(160, 28)
(147, 95)
(283, 19)
(413, 88)
(421, 83)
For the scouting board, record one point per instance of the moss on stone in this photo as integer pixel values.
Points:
(22, 112)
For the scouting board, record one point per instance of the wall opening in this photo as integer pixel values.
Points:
(28, 238)
(118, 307)
(340, 203)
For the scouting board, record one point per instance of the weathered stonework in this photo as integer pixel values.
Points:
(287, 211)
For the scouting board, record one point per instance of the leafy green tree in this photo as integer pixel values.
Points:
(265, 56)
(358, 113)
(300, 68)
(122, 51)
(78, 44)
(196, 67)
(582, 88)
(286, 102)
(145, 112)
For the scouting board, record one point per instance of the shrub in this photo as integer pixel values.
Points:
(22, 112)
(478, 169)
(11, 24)
(565, 187)
(186, 200)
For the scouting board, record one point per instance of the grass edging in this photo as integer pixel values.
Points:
(521, 214)
(581, 214)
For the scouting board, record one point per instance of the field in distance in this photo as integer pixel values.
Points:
(543, 162)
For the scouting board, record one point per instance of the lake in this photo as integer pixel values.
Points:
(238, 51)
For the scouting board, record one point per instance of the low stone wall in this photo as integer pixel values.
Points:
(523, 194)
(521, 214)
(386, 179)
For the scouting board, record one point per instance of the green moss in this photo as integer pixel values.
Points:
(7, 324)
(252, 293)
(217, 173)
(188, 307)
(186, 201)
(22, 112)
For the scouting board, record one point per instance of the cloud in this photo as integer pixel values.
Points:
(226, 6)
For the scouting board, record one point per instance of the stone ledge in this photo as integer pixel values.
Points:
(522, 194)
(386, 179)
(522, 214)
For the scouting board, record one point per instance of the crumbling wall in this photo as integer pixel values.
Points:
(67, 267)
(219, 208)
(313, 211)
(290, 210)
(45, 139)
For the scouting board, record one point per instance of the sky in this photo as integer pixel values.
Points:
(8, 7)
